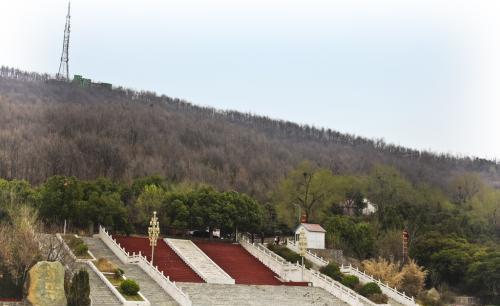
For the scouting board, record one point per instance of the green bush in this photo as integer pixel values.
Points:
(129, 287)
(79, 290)
(379, 298)
(333, 271)
(369, 289)
(350, 281)
(118, 273)
(81, 249)
(288, 254)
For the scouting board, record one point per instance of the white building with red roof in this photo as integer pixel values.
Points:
(315, 235)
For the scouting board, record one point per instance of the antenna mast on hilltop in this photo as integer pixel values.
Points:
(63, 73)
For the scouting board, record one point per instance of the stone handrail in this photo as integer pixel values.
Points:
(267, 251)
(317, 260)
(295, 272)
(284, 269)
(70, 252)
(115, 291)
(337, 289)
(114, 246)
(164, 281)
(392, 293)
(158, 276)
(225, 279)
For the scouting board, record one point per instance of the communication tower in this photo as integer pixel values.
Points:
(63, 73)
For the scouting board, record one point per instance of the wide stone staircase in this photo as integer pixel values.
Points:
(165, 258)
(100, 294)
(238, 263)
(257, 295)
(149, 288)
(199, 261)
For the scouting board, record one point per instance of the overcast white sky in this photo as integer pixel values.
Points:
(423, 74)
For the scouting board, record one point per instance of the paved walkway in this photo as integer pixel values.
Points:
(149, 288)
(261, 295)
(199, 261)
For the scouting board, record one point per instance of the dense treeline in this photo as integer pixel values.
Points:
(454, 231)
(128, 208)
(51, 128)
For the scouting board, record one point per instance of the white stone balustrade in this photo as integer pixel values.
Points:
(284, 269)
(199, 262)
(392, 293)
(163, 281)
(297, 273)
(115, 291)
(315, 259)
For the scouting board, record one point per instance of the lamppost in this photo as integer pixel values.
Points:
(153, 232)
(302, 247)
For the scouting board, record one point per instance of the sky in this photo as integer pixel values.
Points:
(422, 74)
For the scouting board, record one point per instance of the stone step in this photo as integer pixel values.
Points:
(238, 263)
(258, 295)
(99, 292)
(149, 288)
(165, 258)
(199, 261)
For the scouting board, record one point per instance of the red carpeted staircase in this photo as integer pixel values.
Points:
(239, 264)
(165, 258)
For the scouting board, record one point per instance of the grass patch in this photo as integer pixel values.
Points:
(115, 281)
(77, 246)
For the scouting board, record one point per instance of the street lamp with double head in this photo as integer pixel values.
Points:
(153, 233)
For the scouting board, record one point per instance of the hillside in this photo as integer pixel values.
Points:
(49, 128)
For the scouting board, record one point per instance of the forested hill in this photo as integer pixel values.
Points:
(49, 128)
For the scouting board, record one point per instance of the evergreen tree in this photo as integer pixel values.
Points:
(80, 289)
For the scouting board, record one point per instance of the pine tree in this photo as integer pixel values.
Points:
(80, 289)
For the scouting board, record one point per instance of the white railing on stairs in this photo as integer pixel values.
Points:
(221, 278)
(315, 259)
(392, 293)
(337, 289)
(158, 276)
(284, 269)
(295, 272)
(115, 291)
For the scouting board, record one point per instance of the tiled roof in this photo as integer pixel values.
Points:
(313, 227)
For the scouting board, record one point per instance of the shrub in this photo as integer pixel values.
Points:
(379, 298)
(369, 289)
(118, 273)
(288, 254)
(430, 298)
(333, 271)
(350, 281)
(129, 287)
(413, 279)
(81, 249)
(384, 270)
(79, 290)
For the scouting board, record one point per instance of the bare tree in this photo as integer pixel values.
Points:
(19, 240)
